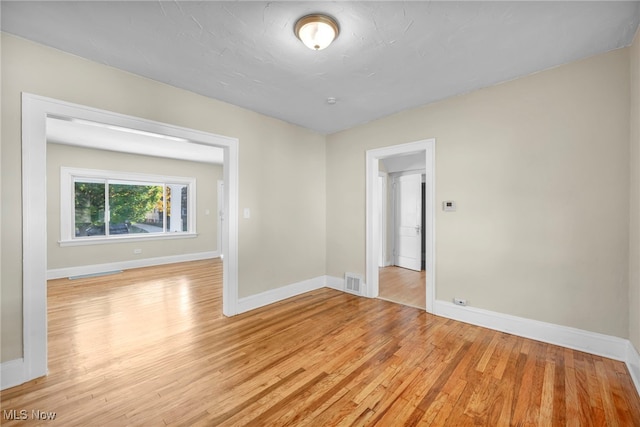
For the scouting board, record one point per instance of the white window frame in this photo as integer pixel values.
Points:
(68, 176)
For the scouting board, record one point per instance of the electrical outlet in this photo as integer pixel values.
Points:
(449, 206)
(460, 301)
(137, 251)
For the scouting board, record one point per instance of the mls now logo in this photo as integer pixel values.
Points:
(23, 414)
(36, 414)
(14, 414)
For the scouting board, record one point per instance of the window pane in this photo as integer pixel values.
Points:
(177, 208)
(89, 209)
(119, 204)
(135, 209)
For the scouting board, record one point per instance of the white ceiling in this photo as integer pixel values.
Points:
(390, 56)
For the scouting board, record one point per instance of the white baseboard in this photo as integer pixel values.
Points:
(274, 295)
(338, 284)
(126, 265)
(633, 364)
(590, 342)
(565, 336)
(11, 373)
(333, 282)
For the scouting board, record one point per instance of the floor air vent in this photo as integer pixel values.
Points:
(353, 283)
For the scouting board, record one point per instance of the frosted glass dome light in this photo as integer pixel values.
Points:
(317, 31)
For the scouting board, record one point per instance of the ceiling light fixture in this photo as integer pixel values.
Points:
(317, 31)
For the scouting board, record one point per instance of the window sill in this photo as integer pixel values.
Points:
(123, 239)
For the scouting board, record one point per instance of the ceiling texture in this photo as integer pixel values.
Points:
(390, 56)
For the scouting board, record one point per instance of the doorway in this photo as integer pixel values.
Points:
(35, 110)
(376, 159)
(402, 278)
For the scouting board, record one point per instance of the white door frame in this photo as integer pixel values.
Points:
(34, 212)
(427, 146)
(383, 220)
(220, 217)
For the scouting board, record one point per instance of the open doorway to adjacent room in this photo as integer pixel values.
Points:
(400, 224)
(40, 116)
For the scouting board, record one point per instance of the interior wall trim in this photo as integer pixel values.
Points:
(372, 237)
(565, 336)
(35, 110)
(577, 339)
(337, 283)
(11, 373)
(275, 295)
(59, 273)
(633, 365)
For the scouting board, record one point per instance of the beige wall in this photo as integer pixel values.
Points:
(538, 167)
(206, 175)
(282, 168)
(634, 247)
(539, 170)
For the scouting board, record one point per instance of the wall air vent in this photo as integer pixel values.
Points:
(353, 284)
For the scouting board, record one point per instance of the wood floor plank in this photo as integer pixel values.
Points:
(545, 417)
(403, 286)
(151, 347)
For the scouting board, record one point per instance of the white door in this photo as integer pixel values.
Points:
(408, 201)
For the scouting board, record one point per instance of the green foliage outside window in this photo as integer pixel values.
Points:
(89, 202)
(105, 204)
(132, 202)
(127, 203)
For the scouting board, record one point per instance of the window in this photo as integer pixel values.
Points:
(105, 206)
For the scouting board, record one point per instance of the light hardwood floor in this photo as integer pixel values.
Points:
(403, 286)
(150, 347)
